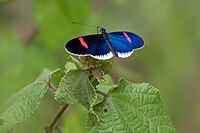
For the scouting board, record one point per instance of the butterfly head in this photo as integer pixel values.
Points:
(104, 33)
(102, 30)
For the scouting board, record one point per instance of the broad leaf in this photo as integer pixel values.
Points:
(75, 87)
(24, 103)
(131, 108)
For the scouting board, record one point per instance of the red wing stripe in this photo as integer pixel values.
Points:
(83, 42)
(127, 37)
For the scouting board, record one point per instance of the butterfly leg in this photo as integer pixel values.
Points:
(98, 27)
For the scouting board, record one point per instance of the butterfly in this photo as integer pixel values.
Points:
(105, 45)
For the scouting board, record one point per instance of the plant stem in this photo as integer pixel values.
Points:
(103, 93)
(53, 122)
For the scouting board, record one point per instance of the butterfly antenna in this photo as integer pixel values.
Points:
(98, 27)
(85, 24)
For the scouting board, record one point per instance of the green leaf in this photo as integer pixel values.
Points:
(131, 108)
(106, 84)
(75, 87)
(23, 104)
(70, 66)
(46, 75)
(75, 61)
(54, 19)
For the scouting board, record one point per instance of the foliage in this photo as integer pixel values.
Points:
(75, 87)
(33, 34)
(127, 107)
(131, 108)
(23, 104)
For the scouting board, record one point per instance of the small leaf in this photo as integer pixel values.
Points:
(23, 104)
(131, 108)
(75, 61)
(75, 87)
(46, 75)
(107, 84)
(70, 66)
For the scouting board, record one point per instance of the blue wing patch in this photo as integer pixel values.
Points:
(100, 50)
(124, 43)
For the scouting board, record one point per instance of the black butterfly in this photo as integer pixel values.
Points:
(103, 46)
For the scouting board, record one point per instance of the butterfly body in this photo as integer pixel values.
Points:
(105, 45)
(105, 35)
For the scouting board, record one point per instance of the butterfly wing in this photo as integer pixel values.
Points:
(91, 45)
(124, 43)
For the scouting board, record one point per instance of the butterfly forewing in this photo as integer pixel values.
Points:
(91, 45)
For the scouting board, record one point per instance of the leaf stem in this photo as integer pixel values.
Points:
(102, 93)
(53, 122)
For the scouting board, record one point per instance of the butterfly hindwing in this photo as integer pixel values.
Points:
(91, 45)
(124, 43)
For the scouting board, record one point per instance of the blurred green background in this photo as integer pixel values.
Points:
(33, 34)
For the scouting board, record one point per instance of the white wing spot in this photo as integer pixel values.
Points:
(124, 55)
(103, 57)
(99, 57)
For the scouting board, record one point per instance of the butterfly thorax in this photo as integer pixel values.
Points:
(104, 33)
